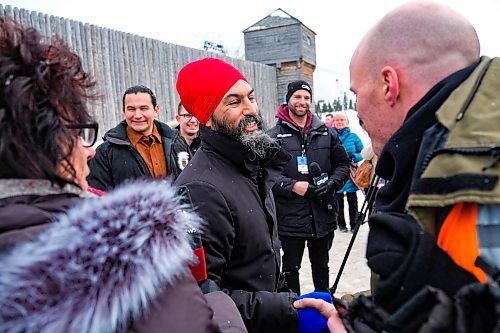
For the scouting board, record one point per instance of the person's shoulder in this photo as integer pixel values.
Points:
(165, 130)
(119, 132)
(354, 135)
(102, 147)
(274, 129)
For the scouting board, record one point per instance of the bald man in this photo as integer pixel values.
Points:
(430, 103)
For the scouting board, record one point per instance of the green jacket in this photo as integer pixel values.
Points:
(458, 158)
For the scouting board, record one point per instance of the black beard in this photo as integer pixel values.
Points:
(293, 110)
(258, 141)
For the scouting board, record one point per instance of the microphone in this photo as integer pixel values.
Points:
(319, 178)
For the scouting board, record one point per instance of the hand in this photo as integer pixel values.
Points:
(351, 156)
(310, 193)
(327, 310)
(325, 191)
(300, 187)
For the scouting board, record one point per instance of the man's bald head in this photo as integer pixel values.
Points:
(425, 39)
(402, 57)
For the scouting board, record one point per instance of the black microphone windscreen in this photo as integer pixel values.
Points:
(315, 169)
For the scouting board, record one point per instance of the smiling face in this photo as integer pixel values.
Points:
(340, 121)
(299, 103)
(237, 114)
(188, 124)
(139, 112)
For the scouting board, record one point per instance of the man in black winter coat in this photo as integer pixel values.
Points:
(229, 181)
(138, 147)
(187, 140)
(307, 212)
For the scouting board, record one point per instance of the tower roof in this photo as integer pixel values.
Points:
(278, 18)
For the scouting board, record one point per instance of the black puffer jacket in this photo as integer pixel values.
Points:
(231, 190)
(109, 264)
(297, 215)
(117, 160)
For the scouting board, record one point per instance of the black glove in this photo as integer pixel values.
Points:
(326, 190)
(351, 156)
(310, 193)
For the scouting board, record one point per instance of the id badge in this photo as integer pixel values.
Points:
(302, 165)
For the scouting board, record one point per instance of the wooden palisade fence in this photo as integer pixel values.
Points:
(118, 60)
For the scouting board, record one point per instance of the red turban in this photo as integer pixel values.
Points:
(203, 83)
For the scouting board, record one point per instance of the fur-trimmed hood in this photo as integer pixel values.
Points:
(98, 267)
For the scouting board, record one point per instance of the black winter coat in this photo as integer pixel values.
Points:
(297, 215)
(117, 160)
(180, 147)
(231, 190)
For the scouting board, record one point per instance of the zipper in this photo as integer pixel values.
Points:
(494, 151)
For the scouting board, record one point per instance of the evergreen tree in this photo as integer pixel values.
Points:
(337, 106)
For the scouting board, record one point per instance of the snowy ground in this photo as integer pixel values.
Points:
(356, 275)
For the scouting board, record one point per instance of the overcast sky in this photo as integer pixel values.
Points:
(339, 25)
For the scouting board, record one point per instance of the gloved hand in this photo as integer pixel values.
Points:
(310, 320)
(326, 191)
(351, 156)
(310, 193)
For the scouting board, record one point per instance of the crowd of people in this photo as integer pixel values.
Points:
(108, 239)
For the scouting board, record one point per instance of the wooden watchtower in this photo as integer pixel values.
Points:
(282, 41)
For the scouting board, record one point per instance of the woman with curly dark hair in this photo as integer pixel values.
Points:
(109, 264)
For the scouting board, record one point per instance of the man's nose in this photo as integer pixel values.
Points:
(249, 108)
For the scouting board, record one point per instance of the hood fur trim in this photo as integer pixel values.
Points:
(99, 266)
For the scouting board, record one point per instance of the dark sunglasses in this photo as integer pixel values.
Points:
(87, 132)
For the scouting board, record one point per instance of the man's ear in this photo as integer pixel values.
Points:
(157, 110)
(390, 84)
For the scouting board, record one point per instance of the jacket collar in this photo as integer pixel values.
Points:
(118, 134)
(16, 187)
(314, 122)
(239, 155)
(398, 157)
(343, 133)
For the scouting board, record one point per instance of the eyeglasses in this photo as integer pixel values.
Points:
(87, 132)
(188, 116)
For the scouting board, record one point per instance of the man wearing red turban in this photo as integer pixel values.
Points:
(229, 182)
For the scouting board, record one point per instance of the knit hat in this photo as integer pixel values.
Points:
(297, 85)
(203, 83)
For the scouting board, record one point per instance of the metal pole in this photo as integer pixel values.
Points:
(367, 204)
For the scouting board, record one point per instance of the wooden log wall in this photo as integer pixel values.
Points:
(118, 60)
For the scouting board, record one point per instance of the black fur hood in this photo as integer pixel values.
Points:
(99, 266)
